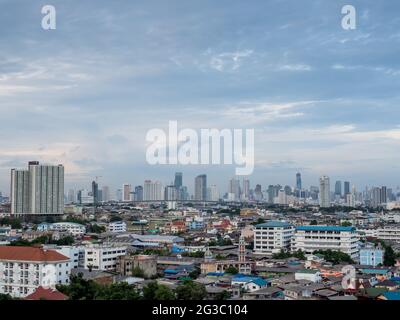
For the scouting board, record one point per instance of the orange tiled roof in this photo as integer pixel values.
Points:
(46, 294)
(30, 254)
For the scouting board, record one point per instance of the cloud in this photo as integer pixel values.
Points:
(295, 67)
(228, 61)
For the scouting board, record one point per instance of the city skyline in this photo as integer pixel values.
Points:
(291, 72)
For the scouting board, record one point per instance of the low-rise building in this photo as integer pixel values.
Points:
(272, 237)
(389, 233)
(103, 257)
(75, 229)
(371, 255)
(312, 238)
(312, 275)
(116, 226)
(126, 264)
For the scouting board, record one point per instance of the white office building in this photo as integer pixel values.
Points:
(76, 254)
(311, 238)
(103, 257)
(75, 229)
(389, 233)
(24, 269)
(117, 226)
(324, 192)
(272, 237)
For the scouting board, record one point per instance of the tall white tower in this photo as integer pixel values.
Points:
(324, 192)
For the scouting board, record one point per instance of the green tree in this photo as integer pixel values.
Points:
(14, 223)
(164, 293)
(95, 228)
(115, 218)
(79, 288)
(4, 297)
(335, 257)
(194, 274)
(346, 224)
(149, 291)
(389, 258)
(190, 290)
(313, 223)
(231, 270)
(224, 295)
(117, 291)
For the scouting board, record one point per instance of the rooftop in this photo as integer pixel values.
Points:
(274, 224)
(14, 253)
(326, 228)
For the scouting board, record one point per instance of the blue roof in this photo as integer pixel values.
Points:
(246, 279)
(392, 295)
(395, 279)
(274, 224)
(375, 271)
(215, 274)
(325, 228)
(173, 271)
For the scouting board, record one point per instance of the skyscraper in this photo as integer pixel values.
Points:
(38, 190)
(95, 192)
(234, 189)
(384, 194)
(152, 191)
(376, 197)
(138, 193)
(346, 188)
(170, 193)
(178, 180)
(325, 192)
(106, 193)
(246, 189)
(338, 188)
(126, 192)
(298, 181)
(212, 193)
(200, 187)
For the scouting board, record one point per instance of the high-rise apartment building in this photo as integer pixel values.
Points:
(152, 191)
(38, 190)
(234, 189)
(200, 187)
(212, 193)
(325, 192)
(126, 192)
(106, 193)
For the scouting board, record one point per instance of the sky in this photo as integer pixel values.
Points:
(322, 100)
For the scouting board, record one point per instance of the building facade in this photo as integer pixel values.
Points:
(272, 237)
(24, 269)
(103, 257)
(312, 238)
(38, 190)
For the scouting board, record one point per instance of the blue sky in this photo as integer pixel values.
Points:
(321, 99)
